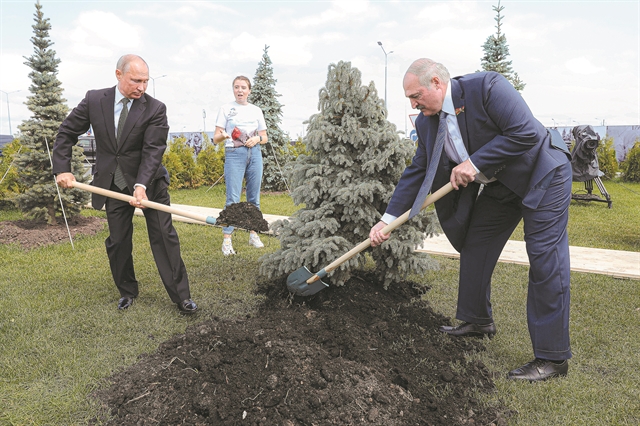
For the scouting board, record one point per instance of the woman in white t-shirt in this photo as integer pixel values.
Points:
(241, 126)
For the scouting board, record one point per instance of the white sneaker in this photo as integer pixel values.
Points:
(254, 240)
(227, 248)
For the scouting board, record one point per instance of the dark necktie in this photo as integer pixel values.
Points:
(118, 177)
(425, 188)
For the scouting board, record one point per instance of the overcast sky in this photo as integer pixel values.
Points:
(579, 59)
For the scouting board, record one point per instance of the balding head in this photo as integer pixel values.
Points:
(425, 69)
(132, 73)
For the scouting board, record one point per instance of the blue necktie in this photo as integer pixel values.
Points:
(425, 188)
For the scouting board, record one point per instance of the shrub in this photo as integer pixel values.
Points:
(179, 159)
(607, 162)
(10, 185)
(210, 161)
(631, 165)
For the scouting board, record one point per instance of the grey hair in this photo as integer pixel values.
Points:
(426, 69)
(125, 61)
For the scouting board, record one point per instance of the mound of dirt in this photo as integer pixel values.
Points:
(30, 234)
(243, 215)
(350, 355)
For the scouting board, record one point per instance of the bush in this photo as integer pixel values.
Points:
(631, 165)
(210, 161)
(179, 159)
(607, 162)
(10, 185)
(297, 148)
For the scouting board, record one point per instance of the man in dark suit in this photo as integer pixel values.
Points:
(131, 129)
(493, 139)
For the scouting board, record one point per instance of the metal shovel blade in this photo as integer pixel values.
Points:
(297, 283)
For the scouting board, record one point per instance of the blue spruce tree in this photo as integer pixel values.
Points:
(275, 151)
(354, 160)
(496, 52)
(40, 200)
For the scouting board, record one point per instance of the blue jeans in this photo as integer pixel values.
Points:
(242, 163)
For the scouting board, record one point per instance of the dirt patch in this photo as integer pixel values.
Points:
(30, 234)
(243, 215)
(350, 355)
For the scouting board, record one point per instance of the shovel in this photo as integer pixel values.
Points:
(304, 283)
(146, 203)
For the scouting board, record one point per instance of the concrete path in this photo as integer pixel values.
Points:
(615, 263)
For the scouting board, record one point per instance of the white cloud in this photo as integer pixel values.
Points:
(282, 50)
(583, 66)
(340, 12)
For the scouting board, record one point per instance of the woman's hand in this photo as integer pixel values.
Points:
(252, 141)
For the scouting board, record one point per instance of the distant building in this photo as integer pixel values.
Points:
(5, 140)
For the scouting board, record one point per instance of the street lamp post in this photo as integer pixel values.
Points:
(8, 112)
(204, 121)
(153, 80)
(385, 72)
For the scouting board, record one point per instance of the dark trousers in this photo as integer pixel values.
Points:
(163, 239)
(495, 215)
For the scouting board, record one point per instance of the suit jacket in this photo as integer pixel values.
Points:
(502, 138)
(139, 153)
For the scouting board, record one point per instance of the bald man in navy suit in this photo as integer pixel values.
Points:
(495, 144)
(136, 157)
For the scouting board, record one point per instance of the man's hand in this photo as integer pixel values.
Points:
(65, 180)
(462, 174)
(376, 235)
(139, 193)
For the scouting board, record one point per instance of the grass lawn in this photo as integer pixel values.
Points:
(61, 335)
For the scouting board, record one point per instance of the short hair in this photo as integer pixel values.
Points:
(243, 78)
(125, 61)
(426, 69)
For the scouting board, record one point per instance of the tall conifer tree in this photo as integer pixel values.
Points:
(40, 200)
(496, 52)
(355, 159)
(274, 152)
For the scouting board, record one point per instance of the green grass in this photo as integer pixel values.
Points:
(592, 224)
(61, 335)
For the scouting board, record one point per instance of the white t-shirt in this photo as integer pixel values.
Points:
(240, 122)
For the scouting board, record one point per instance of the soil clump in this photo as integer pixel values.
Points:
(350, 355)
(243, 215)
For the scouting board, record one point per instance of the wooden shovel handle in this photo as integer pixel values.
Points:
(432, 198)
(146, 203)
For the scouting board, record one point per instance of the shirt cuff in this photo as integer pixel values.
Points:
(139, 184)
(387, 218)
(480, 177)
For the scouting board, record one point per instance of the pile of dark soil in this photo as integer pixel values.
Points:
(30, 234)
(243, 215)
(350, 355)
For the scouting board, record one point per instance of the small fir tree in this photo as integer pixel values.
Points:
(210, 161)
(355, 158)
(496, 52)
(631, 165)
(40, 199)
(274, 152)
(180, 161)
(9, 185)
(607, 162)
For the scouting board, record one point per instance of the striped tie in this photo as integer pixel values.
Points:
(441, 137)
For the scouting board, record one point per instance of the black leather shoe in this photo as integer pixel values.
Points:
(539, 369)
(470, 329)
(187, 306)
(125, 302)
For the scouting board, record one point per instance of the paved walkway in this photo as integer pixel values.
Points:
(615, 263)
